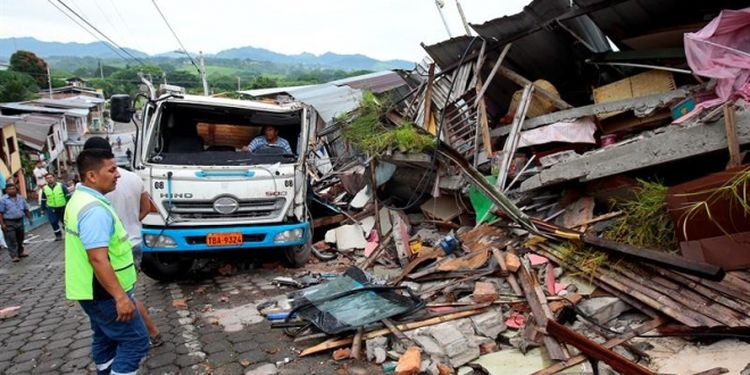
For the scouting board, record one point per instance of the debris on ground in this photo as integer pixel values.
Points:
(487, 223)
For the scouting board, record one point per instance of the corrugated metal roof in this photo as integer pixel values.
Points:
(336, 97)
(32, 130)
(63, 103)
(378, 82)
(329, 100)
(272, 91)
(27, 107)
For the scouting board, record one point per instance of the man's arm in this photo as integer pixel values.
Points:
(65, 190)
(44, 200)
(27, 209)
(145, 206)
(103, 271)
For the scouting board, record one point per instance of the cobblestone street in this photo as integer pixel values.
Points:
(220, 331)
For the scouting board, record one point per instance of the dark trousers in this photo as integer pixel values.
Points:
(118, 347)
(55, 217)
(14, 236)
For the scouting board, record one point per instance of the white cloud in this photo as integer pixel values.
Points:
(384, 29)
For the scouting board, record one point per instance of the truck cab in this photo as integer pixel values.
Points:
(210, 190)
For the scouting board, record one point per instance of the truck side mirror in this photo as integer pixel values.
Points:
(120, 109)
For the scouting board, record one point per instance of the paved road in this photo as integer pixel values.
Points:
(51, 335)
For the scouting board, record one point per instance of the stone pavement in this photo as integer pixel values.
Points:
(217, 332)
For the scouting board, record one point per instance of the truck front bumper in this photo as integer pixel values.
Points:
(195, 239)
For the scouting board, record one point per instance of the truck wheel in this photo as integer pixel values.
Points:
(165, 266)
(298, 255)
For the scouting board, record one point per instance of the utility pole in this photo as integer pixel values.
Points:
(49, 82)
(463, 18)
(203, 73)
(238, 84)
(440, 4)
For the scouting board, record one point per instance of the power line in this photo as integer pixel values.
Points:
(102, 34)
(175, 35)
(88, 31)
(127, 28)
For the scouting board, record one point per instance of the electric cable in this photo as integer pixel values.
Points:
(101, 33)
(175, 35)
(88, 31)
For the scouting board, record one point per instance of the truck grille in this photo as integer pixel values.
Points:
(204, 209)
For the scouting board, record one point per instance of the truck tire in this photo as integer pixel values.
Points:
(165, 266)
(297, 256)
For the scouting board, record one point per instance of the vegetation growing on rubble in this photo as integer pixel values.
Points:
(645, 221)
(735, 191)
(585, 258)
(369, 132)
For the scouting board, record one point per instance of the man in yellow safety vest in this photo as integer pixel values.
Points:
(54, 198)
(99, 269)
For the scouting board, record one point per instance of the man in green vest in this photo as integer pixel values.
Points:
(54, 198)
(99, 269)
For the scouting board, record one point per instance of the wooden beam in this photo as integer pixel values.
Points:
(594, 350)
(428, 98)
(643, 328)
(735, 159)
(674, 262)
(337, 343)
(491, 76)
(511, 143)
(540, 310)
(511, 277)
(522, 81)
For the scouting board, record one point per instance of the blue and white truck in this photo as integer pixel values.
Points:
(207, 193)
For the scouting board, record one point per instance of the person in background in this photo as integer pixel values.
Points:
(13, 207)
(270, 137)
(132, 203)
(99, 269)
(54, 197)
(39, 172)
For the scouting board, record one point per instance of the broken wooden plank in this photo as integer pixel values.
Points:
(357, 344)
(428, 98)
(511, 143)
(540, 310)
(594, 350)
(511, 277)
(643, 328)
(378, 250)
(735, 159)
(491, 76)
(677, 263)
(337, 343)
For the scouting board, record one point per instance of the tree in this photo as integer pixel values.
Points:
(15, 86)
(29, 63)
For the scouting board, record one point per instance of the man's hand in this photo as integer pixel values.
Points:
(5, 227)
(125, 309)
(245, 149)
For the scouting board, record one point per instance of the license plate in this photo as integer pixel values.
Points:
(224, 239)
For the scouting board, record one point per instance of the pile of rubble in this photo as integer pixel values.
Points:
(595, 237)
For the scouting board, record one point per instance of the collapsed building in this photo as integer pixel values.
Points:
(561, 190)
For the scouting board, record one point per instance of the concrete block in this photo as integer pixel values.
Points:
(450, 339)
(484, 292)
(489, 324)
(603, 309)
(376, 349)
(470, 354)
(430, 345)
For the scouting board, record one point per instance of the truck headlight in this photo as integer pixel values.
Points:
(289, 235)
(153, 240)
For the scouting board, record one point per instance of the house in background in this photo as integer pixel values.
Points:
(10, 154)
(44, 134)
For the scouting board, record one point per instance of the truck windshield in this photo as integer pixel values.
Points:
(193, 134)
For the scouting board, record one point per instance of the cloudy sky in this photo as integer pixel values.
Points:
(384, 29)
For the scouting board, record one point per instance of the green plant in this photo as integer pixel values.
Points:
(586, 259)
(367, 131)
(645, 221)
